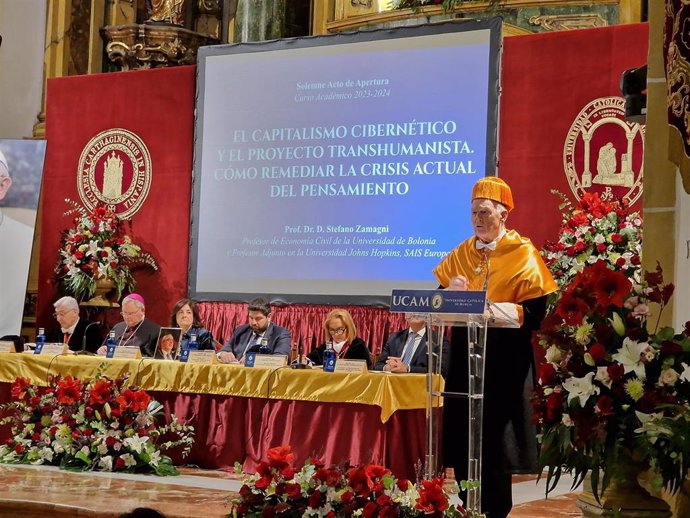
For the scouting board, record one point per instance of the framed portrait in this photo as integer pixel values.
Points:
(168, 344)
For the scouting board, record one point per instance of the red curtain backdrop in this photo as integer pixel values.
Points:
(547, 80)
(158, 106)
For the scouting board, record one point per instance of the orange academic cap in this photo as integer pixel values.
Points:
(494, 188)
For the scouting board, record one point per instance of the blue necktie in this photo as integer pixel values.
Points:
(409, 348)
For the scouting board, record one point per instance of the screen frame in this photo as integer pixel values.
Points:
(493, 25)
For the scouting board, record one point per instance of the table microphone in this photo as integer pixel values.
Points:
(83, 350)
(300, 355)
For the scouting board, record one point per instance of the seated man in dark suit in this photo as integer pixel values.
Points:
(135, 330)
(73, 329)
(259, 333)
(406, 350)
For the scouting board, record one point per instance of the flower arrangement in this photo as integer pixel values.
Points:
(98, 247)
(610, 393)
(594, 230)
(317, 491)
(100, 425)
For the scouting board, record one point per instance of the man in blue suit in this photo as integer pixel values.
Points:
(259, 333)
(406, 350)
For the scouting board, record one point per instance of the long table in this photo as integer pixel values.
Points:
(239, 413)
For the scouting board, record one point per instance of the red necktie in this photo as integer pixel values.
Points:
(67, 337)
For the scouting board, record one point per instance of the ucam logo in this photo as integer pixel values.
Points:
(410, 301)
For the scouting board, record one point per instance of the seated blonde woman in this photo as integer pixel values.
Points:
(340, 332)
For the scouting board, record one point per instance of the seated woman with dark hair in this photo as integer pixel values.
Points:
(340, 332)
(185, 315)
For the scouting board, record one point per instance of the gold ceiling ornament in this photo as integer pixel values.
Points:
(564, 22)
(140, 46)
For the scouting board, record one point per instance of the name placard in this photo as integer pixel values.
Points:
(438, 301)
(127, 353)
(51, 349)
(267, 361)
(203, 357)
(343, 365)
(7, 347)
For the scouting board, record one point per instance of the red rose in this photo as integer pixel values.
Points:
(36, 437)
(79, 254)
(315, 499)
(75, 434)
(635, 259)
(293, 490)
(88, 411)
(598, 352)
(605, 405)
(547, 374)
(88, 432)
(262, 483)
(402, 484)
(19, 449)
(110, 440)
(617, 238)
(670, 349)
(554, 405)
(369, 510)
(615, 371)
(347, 497)
(601, 247)
(620, 261)
(119, 463)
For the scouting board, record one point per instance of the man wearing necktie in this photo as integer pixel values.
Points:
(509, 268)
(406, 350)
(250, 337)
(72, 327)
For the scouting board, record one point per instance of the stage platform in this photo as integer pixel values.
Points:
(43, 492)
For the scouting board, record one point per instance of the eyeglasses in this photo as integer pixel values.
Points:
(61, 313)
(129, 313)
(338, 331)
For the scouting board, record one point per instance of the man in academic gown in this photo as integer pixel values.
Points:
(517, 281)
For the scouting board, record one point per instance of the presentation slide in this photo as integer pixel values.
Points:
(335, 169)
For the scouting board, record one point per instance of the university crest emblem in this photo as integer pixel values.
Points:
(115, 169)
(603, 152)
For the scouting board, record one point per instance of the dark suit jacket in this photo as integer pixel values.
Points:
(396, 344)
(204, 338)
(279, 340)
(357, 351)
(145, 337)
(93, 336)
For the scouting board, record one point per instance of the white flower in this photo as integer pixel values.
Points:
(129, 460)
(135, 443)
(602, 376)
(102, 448)
(668, 377)
(580, 388)
(630, 356)
(553, 354)
(46, 454)
(685, 375)
(155, 457)
(106, 463)
(599, 239)
(566, 420)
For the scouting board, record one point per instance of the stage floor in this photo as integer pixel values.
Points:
(42, 492)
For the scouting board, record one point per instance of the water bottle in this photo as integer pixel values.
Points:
(110, 345)
(192, 345)
(264, 348)
(40, 340)
(329, 358)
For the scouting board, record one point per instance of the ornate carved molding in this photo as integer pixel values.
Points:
(563, 22)
(133, 47)
(212, 7)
